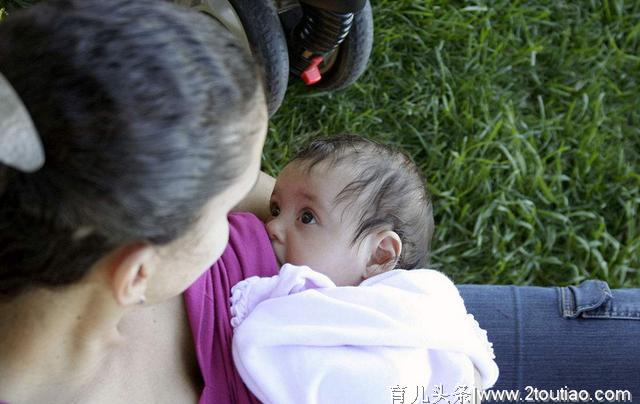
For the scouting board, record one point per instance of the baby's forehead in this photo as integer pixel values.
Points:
(324, 168)
(331, 181)
(308, 174)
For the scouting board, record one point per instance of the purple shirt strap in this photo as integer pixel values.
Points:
(248, 253)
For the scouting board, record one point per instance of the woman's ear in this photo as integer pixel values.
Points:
(130, 267)
(385, 253)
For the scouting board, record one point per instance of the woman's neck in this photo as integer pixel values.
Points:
(56, 337)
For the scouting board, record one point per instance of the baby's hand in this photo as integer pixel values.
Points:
(246, 295)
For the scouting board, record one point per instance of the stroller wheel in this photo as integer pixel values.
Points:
(268, 45)
(350, 59)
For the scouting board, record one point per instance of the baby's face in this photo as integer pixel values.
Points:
(307, 227)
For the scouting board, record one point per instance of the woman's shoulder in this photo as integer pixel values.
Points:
(244, 220)
(248, 253)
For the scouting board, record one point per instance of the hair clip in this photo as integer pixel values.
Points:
(20, 145)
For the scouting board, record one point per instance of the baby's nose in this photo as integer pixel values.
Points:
(274, 229)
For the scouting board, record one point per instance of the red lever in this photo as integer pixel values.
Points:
(311, 74)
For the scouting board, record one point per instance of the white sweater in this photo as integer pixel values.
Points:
(298, 338)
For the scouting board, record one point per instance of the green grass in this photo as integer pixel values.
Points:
(524, 117)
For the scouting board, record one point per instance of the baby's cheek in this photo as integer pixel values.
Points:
(300, 255)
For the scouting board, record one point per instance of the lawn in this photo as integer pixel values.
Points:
(524, 117)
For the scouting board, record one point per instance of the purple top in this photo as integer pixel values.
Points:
(248, 253)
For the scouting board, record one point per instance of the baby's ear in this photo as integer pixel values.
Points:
(385, 253)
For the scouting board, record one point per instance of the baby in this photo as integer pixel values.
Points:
(350, 212)
(351, 209)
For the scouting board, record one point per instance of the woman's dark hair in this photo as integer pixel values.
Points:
(142, 109)
(387, 191)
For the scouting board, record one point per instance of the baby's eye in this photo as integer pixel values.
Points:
(275, 210)
(307, 217)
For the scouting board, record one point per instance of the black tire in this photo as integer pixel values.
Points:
(268, 44)
(353, 54)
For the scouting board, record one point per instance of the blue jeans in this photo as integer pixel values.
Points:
(584, 337)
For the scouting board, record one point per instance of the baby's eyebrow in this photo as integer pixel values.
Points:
(313, 199)
(308, 196)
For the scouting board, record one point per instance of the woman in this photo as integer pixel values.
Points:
(152, 123)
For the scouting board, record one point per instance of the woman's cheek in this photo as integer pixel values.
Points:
(218, 246)
(212, 244)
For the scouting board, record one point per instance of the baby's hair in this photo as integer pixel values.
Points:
(387, 190)
(141, 107)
